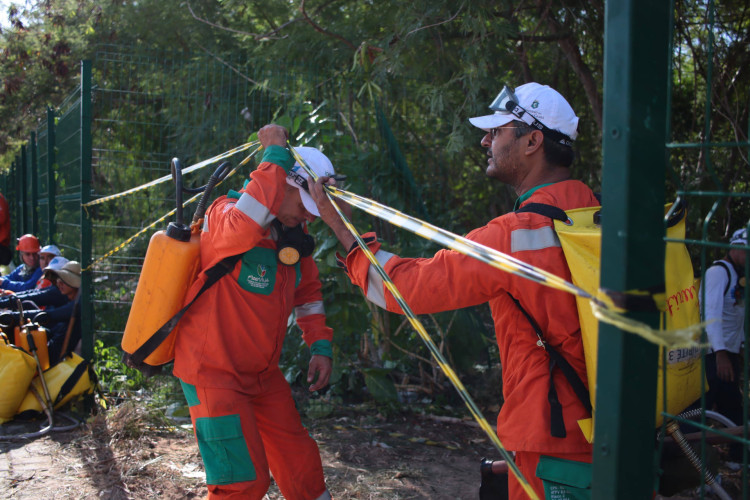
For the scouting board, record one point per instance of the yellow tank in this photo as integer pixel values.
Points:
(40, 341)
(170, 267)
(17, 369)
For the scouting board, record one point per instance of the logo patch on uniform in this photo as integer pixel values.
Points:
(258, 280)
(534, 104)
(258, 271)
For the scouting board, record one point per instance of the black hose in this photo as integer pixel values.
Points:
(177, 177)
(219, 175)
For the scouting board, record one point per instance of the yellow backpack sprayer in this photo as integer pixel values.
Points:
(50, 389)
(171, 266)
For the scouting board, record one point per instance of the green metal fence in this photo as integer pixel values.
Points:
(133, 112)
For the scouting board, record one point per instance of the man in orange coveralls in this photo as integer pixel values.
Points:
(229, 342)
(529, 140)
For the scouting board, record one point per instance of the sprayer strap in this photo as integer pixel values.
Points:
(213, 275)
(557, 360)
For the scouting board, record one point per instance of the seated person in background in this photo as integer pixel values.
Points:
(57, 320)
(38, 298)
(46, 254)
(25, 276)
(64, 325)
(47, 258)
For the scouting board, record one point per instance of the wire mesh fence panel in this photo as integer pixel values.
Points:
(708, 160)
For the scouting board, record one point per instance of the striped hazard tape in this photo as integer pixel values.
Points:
(152, 225)
(186, 170)
(436, 354)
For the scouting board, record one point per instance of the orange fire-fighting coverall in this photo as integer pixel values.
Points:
(450, 280)
(230, 340)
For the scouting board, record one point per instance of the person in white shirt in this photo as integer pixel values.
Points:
(724, 309)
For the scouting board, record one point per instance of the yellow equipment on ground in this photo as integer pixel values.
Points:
(39, 335)
(69, 378)
(17, 368)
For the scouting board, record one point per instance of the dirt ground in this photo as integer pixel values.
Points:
(365, 456)
(123, 454)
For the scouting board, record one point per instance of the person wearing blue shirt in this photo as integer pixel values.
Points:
(25, 276)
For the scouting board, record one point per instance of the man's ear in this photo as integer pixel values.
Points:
(534, 141)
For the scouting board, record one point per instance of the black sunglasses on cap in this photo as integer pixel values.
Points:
(507, 102)
(301, 181)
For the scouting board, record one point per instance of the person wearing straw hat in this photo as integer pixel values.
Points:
(62, 320)
(229, 341)
(529, 140)
(25, 276)
(724, 312)
(40, 298)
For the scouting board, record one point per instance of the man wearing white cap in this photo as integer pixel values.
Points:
(724, 311)
(529, 139)
(229, 341)
(47, 255)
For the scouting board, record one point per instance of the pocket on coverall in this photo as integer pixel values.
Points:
(564, 479)
(224, 450)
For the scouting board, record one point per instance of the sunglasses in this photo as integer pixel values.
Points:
(507, 102)
(301, 181)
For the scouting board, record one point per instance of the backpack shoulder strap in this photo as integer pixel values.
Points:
(213, 275)
(723, 264)
(557, 424)
(550, 211)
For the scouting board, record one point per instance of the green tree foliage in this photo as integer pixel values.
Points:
(385, 89)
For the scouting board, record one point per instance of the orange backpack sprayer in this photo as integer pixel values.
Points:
(171, 265)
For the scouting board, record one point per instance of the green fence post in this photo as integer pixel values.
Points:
(13, 201)
(87, 311)
(10, 195)
(51, 181)
(634, 142)
(34, 187)
(24, 195)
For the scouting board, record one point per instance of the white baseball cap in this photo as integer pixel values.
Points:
(542, 102)
(297, 176)
(56, 263)
(739, 237)
(51, 249)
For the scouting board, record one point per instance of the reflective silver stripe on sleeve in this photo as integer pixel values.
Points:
(375, 292)
(205, 224)
(309, 308)
(533, 239)
(255, 210)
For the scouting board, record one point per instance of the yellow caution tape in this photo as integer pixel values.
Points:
(186, 170)
(602, 306)
(165, 216)
(436, 354)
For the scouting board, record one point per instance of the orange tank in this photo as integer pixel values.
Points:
(171, 265)
(39, 334)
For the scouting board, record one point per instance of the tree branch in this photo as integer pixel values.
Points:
(572, 52)
(438, 23)
(257, 36)
(321, 30)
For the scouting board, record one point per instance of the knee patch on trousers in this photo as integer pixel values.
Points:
(224, 450)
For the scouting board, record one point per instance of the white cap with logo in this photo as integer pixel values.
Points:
(297, 176)
(542, 102)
